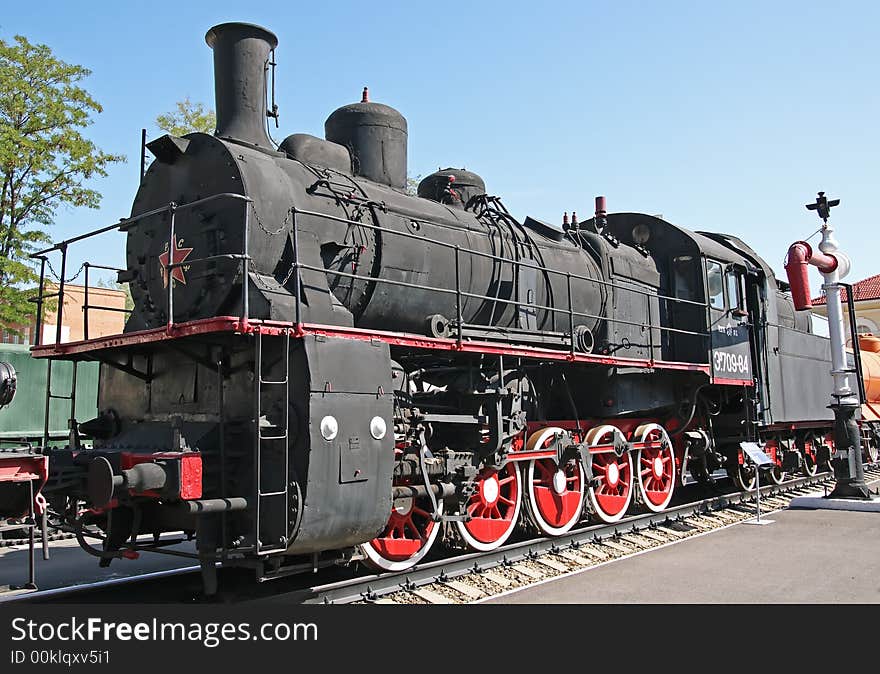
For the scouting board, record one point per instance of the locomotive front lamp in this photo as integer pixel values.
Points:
(378, 427)
(329, 427)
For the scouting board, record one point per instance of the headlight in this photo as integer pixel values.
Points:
(378, 427)
(329, 427)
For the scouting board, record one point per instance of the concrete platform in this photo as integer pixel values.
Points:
(824, 503)
(69, 565)
(805, 556)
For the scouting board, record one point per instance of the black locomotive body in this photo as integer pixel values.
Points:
(321, 366)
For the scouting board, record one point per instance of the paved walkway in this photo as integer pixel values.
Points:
(69, 565)
(805, 556)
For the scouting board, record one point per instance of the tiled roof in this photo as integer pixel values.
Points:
(866, 289)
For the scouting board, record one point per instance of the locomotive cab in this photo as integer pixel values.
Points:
(728, 323)
(701, 292)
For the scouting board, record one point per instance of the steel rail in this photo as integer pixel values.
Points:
(370, 588)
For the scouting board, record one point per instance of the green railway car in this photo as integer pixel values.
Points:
(23, 420)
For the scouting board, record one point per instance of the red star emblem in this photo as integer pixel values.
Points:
(179, 255)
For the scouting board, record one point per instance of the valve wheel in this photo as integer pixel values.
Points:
(493, 508)
(612, 491)
(656, 465)
(555, 494)
(407, 538)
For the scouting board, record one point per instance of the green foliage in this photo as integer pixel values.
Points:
(44, 160)
(187, 118)
(412, 184)
(129, 302)
(113, 285)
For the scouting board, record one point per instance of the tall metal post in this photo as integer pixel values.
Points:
(458, 295)
(60, 313)
(758, 493)
(571, 345)
(848, 470)
(38, 338)
(297, 280)
(169, 268)
(86, 266)
(245, 265)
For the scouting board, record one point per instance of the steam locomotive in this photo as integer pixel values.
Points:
(321, 367)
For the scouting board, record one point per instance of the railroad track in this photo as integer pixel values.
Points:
(473, 577)
(58, 536)
(476, 577)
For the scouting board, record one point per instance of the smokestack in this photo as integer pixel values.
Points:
(241, 54)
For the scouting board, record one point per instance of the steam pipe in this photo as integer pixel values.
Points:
(213, 505)
(241, 56)
(800, 254)
(833, 265)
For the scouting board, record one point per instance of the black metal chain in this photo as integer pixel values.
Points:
(58, 276)
(284, 223)
(289, 274)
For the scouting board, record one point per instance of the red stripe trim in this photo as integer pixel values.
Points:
(200, 327)
(798, 425)
(237, 325)
(732, 382)
(440, 344)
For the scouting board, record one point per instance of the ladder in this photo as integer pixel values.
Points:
(71, 420)
(270, 505)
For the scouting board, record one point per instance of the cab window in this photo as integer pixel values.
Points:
(734, 291)
(715, 284)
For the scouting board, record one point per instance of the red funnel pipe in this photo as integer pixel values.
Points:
(800, 254)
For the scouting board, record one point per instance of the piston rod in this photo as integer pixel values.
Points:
(441, 490)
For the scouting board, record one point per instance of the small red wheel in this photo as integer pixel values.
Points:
(810, 447)
(493, 508)
(612, 491)
(827, 452)
(742, 474)
(777, 475)
(407, 538)
(656, 462)
(555, 494)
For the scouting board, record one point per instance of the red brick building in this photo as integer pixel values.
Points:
(101, 322)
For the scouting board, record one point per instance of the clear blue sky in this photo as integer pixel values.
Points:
(720, 116)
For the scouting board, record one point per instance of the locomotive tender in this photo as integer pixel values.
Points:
(321, 367)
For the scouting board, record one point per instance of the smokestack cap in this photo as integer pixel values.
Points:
(241, 54)
(257, 31)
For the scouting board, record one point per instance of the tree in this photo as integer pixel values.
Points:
(412, 185)
(113, 285)
(188, 117)
(45, 160)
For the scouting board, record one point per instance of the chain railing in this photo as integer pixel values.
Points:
(460, 294)
(172, 208)
(650, 324)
